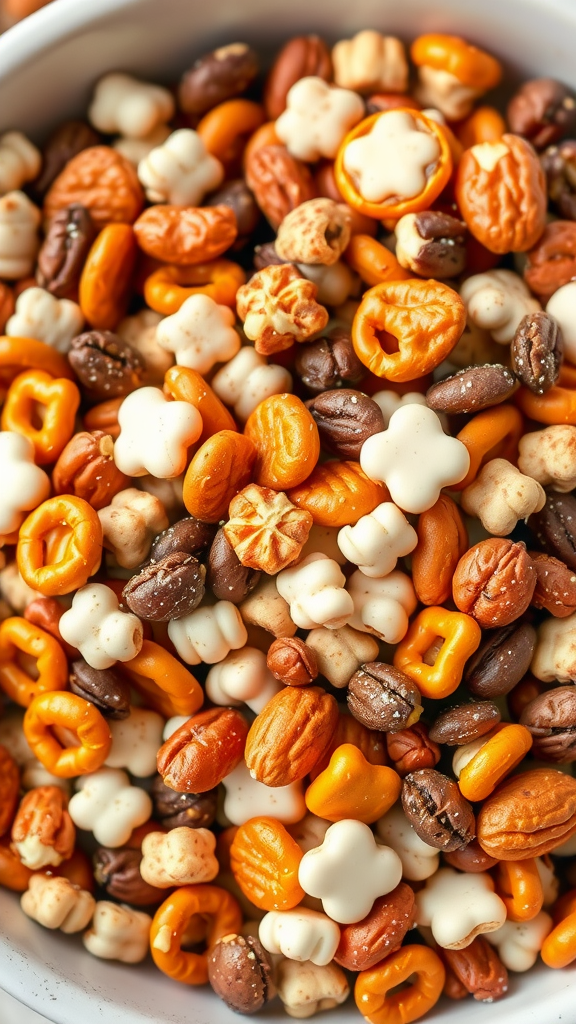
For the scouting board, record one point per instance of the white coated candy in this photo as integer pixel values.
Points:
(155, 434)
(389, 401)
(419, 860)
(201, 333)
(118, 933)
(19, 223)
(135, 150)
(123, 104)
(340, 652)
(20, 161)
(208, 634)
(135, 742)
(370, 62)
(382, 606)
(24, 484)
(41, 316)
(109, 807)
(555, 655)
(172, 725)
(501, 495)
(300, 934)
(519, 942)
(306, 988)
(496, 301)
(378, 540)
(315, 592)
(248, 379)
(391, 160)
(317, 118)
(562, 306)
(57, 903)
(95, 625)
(458, 906)
(549, 456)
(242, 677)
(180, 171)
(247, 798)
(129, 524)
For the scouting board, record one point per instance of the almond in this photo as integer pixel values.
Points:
(291, 735)
(528, 815)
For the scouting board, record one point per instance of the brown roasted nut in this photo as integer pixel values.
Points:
(217, 76)
(299, 58)
(226, 577)
(278, 307)
(431, 244)
(338, 494)
(542, 110)
(528, 815)
(188, 535)
(118, 871)
(265, 529)
(536, 351)
(472, 389)
(382, 697)
(185, 234)
(101, 180)
(552, 261)
(379, 933)
(106, 366)
(526, 690)
(7, 304)
(555, 589)
(292, 661)
(442, 541)
(166, 589)
(290, 735)
(279, 182)
(551, 720)
(9, 789)
(470, 858)
(317, 231)
(178, 810)
(501, 192)
(494, 582)
(479, 968)
(555, 527)
(241, 973)
(203, 751)
(436, 809)
(453, 988)
(239, 198)
(86, 468)
(412, 749)
(501, 661)
(345, 419)
(69, 139)
(266, 256)
(68, 240)
(42, 831)
(559, 165)
(106, 689)
(46, 612)
(328, 363)
(462, 724)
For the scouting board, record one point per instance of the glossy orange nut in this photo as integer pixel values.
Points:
(59, 709)
(19, 635)
(405, 329)
(286, 440)
(391, 210)
(186, 385)
(219, 469)
(18, 354)
(14, 874)
(104, 290)
(558, 405)
(491, 434)
(265, 135)
(442, 541)
(351, 787)
(461, 635)
(171, 921)
(104, 417)
(485, 124)
(163, 681)
(224, 129)
(265, 860)
(373, 261)
(371, 743)
(470, 65)
(502, 751)
(519, 886)
(559, 947)
(408, 1004)
(338, 494)
(83, 547)
(59, 399)
(169, 286)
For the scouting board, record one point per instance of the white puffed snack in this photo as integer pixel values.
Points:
(247, 379)
(414, 458)
(242, 678)
(57, 903)
(382, 606)
(300, 934)
(139, 331)
(340, 652)
(334, 283)
(108, 806)
(549, 456)
(14, 590)
(441, 89)
(20, 161)
(248, 798)
(370, 62)
(555, 655)
(419, 860)
(501, 495)
(95, 625)
(458, 906)
(155, 434)
(306, 988)
(136, 150)
(129, 524)
(309, 832)
(389, 401)
(34, 774)
(349, 871)
(135, 742)
(315, 592)
(180, 171)
(378, 540)
(392, 159)
(519, 942)
(182, 856)
(42, 316)
(24, 484)
(200, 334)
(19, 243)
(497, 301)
(562, 306)
(208, 634)
(122, 104)
(118, 933)
(317, 118)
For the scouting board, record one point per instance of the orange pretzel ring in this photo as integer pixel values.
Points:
(169, 286)
(372, 986)
(17, 634)
(498, 756)
(461, 635)
(168, 687)
(60, 399)
(558, 405)
(186, 385)
(519, 886)
(172, 919)
(19, 354)
(67, 711)
(491, 434)
(225, 128)
(559, 947)
(373, 261)
(83, 549)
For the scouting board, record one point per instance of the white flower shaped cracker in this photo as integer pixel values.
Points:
(129, 524)
(247, 798)
(95, 625)
(501, 495)
(57, 903)
(155, 434)
(496, 301)
(19, 223)
(248, 379)
(382, 606)
(208, 634)
(24, 484)
(317, 118)
(519, 942)
(41, 316)
(300, 934)
(121, 104)
(458, 906)
(242, 678)
(108, 806)
(419, 860)
(549, 456)
(182, 856)
(135, 742)
(378, 540)
(180, 171)
(315, 592)
(340, 652)
(391, 160)
(118, 933)
(20, 161)
(200, 334)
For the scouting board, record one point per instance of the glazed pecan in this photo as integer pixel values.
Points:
(279, 182)
(9, 789)
(86, 468)
(203, 751)
(479, 968)
(552, 261)
(290, 735)
(101, 180)
(186, 235)
(555, 589)
(528, 815)
(42, 831)
(412, 749)
(378, 934)
(299, 58)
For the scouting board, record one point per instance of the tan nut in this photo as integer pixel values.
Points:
(183, 856)
(549, 456)
(58, 903)
(278, 308)
(129, 524)
(86, 468)
(494, 582)
(370, 62)
(529, 815)
(315, 232)
(501, 495)
(265, 608)
(279, 181)
(265, 529)
(139, 331)
(42, 831)
(340, 652)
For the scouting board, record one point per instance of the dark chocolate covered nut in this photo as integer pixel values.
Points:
(472, 389)
(64, 250)
(175, 810)
(329, 363)
(105, 688)
(106, 366)
(555, 527)
(239, 198)
(551, 719)
(384, 698)
(345, 419)
(460, 725)
(227, 578)
(501, 661)
(559, 166)
(542, 110)
(216, 77)
(69, 139)
(536, 352)
(118, 871)
(470, 858)
(168, 589)
(240, 972)
(188, 535)
(431, 244)
(437, 811)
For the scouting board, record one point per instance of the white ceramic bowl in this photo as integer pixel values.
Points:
(48, 65)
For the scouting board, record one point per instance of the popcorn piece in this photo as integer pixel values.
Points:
(96, 626)
(549, 456)
(129, 524)
(183, 856)
(279, 307)
(168, 492)
(500, 496)
(392, 159)
(340, 652)
(123, 104)
(242, 677)
(109, 807)
(382, 606)
(247, 380)
(562, 306)
(414, 458)
(19, 223)
(41, 316)
(459, 906)
(135, 742)
(315, 232)
(34, 774)
(20, 161)
(306, 988)
(247, 798)
(315, 591)
(140, 332)
(180, 171)
(419, 861)
(370, 62)
(334, 283)
(555, 655)
(317, 118)
(519, 942)
(349, 871)
(200, 334)
(496, 301)
(208, 634)
(118, 933)
(136, 150)
(57, 903)
(155, 434)
(378, 540)
(24, 484)
(300, 935)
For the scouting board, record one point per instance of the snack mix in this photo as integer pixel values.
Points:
(288, 525)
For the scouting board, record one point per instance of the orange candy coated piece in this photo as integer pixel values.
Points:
(351, 787)
(265, 859)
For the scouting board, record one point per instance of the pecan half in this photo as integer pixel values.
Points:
(542, 110)
(552, 261)
(494, 582)
(86, 468)
(203, 751)
(412, 749)
(42, 831)
(555, 589)
(292, 661)
(382, 697)
(379, 933)
(64, 250)
(479, 968)
(551, 719)
(279, 182)
(528, 815)
(437, 811)
(291, 734)
(537, 350)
